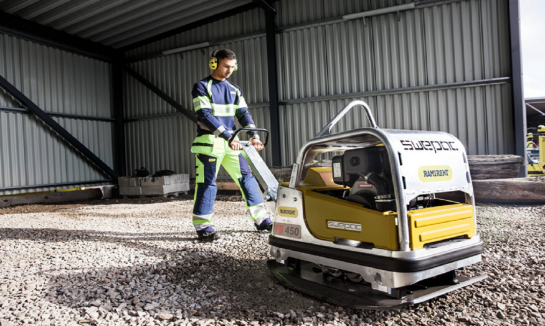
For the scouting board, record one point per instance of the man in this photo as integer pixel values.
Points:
(217, 102)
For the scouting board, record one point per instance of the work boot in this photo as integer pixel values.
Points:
(266, 225)
(208, 235)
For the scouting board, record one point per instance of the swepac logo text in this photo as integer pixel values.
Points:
(344, 226)
(428, 145)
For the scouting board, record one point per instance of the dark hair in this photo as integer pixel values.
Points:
(225, 54)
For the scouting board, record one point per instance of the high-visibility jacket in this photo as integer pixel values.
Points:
(217, 103)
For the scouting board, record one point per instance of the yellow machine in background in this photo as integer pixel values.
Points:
(536, 153)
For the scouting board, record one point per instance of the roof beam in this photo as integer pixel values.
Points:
(265, 5)
(19, 27)
(191, 26)
(164, 96)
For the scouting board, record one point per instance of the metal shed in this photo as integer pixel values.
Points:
(91, 90)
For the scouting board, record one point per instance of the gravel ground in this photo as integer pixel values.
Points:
(136, 262)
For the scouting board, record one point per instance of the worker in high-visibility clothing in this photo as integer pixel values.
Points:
(217, 102)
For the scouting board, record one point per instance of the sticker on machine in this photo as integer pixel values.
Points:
(287, 230)
(435, 173)
(337, 171)
(344, 226)
(288, 211)
(365, 185)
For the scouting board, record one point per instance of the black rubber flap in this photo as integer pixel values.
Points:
(353, 295)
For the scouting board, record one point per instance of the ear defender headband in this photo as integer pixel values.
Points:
(213, 63)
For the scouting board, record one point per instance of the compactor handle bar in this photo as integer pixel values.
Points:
(332, 123)
(250, 129)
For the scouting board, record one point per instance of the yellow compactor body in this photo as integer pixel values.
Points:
(388, 224)
(536, 153)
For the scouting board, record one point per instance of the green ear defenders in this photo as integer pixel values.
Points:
(213, 63)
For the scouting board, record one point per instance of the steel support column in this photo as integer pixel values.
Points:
(272, 71)
(518, 93)
(56, 127)
(117, 94)
(161, 94)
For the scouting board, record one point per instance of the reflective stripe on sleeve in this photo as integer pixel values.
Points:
(201, 102)
(219, 131)
(242, 103)
(209, 88)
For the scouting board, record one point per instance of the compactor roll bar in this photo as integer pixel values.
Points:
(327, 129)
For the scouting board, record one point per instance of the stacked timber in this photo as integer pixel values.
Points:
(512, 190)
(494, 166)
(495, 180)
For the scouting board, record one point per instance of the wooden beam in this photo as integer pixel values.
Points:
(510, 191)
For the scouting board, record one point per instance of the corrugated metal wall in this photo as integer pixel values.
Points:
(403, 64)
(58, 82)
(443, 67)
(450, 43)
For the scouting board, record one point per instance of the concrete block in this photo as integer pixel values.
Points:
(164, 189)
(130, 191)
(129, 181)
(165, 180)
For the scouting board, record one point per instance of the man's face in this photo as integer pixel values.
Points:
(225, 69)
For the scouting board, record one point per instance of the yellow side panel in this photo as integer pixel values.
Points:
(446, 231)
(321, 176)
(377, 227)
(440, 223)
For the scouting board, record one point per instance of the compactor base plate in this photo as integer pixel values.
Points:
(308, 280)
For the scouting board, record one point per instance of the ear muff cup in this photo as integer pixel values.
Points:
(213, 62)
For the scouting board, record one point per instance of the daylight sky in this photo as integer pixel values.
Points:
(533, 47)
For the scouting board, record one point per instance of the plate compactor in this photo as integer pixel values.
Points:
(387, 225)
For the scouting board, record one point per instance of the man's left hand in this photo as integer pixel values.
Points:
(258, 145)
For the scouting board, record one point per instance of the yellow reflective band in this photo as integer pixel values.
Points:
(242, 103)
(209, 87)
(223, 110)
(201, 102)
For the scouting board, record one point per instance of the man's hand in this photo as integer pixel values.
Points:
(258, 145)
(235, 145)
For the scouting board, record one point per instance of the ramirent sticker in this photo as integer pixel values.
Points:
(288, 211)
(344, 226)
(435, 173)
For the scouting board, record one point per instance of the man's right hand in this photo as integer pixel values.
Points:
(235, 145)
